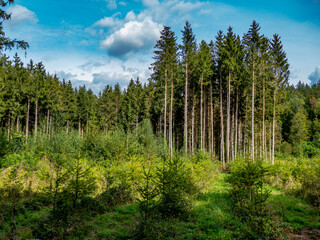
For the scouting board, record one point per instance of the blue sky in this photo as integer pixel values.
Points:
(100, 42)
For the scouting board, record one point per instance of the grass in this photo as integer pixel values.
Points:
(211, 217)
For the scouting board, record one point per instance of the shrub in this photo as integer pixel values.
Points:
(175, 185)
(250, 198)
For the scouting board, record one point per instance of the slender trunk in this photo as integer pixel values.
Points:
(27, 119)
(9, 117)
(236, 125)
(68, 126)
(36, 119)
(18, 124)
(232, 136)
(186, 111)
(165, 108)
(204, 123)
(48, 118)
(201, 113)
(263, 122)
(79, 126)
(273, 124)
(211, 118)
(252, 114)
(228, 118)
(192, 126)
(171, 117)
(222, 131)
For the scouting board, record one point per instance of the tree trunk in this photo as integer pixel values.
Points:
(273, 125)
(79, 126)
(27, 119)
(252, 115)
(263, 121)
(36, 119)
(171, 118)
(9, 125)
(204, 124)
(165, 108)
(192, 127)
(222, 131)
(186, 111)
(236, 125)
(211, 120)
(228, 118)
(201, 113)
(48, 118)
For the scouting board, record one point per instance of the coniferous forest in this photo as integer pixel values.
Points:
(216, 145)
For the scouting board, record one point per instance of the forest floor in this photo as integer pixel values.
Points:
(211, 217)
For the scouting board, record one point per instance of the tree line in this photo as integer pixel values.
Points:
(228, 97)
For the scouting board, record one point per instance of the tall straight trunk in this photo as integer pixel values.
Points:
(270, 142)
(171, 117)
(239, 138)
(165, 107)
(27, 118)
(201, 113)
(192, 125)
(48, 118)
(232, 136)
(36, 119)
(87, 124)
(18, 124)
(68, 123)
(9, 123)
(186, 111)
(228, 118)
(204, 123)
(273, 124)
(211, 120)
(222, 131)
(252, 115)
(79, 126)
(263, 120)
(236, 125)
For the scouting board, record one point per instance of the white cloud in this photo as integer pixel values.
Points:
(20, 14)
(108, 22)
(132, 37)
(314, 77)
(122, 3)
(150, 3)
(112, 4)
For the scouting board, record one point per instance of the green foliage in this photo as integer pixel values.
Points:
(175, 186)
(250, 198)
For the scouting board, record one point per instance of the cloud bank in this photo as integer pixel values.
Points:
(20, 14)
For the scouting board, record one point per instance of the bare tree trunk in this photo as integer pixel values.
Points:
(27, 119)
(36, 119)
(165, 108)
(204, 124)
(201, 113)
(273, 125)
(263, 121)
(9, 125)
(79, 127)
(232, 137)
(186, 111)
(222, 131)
(48, 118)
(236, 126)
(192, 130)
(68, 126)
(252, 115)
(171, 117)
(211, 118)
(228, 118)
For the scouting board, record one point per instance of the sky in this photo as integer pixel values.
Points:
(100, 42)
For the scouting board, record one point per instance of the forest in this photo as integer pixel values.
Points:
(216, 145)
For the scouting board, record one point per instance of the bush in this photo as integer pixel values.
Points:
(175, 185)
(250, 197)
